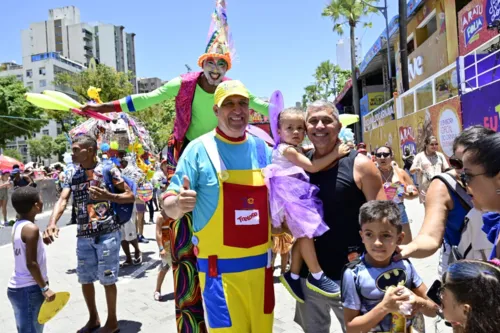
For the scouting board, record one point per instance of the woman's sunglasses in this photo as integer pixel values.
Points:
(385, 155)
(456, 163)
(467, 177)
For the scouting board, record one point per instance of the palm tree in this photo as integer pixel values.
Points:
(325, 74)
(330, 79)
(350, 12)
(312, 93)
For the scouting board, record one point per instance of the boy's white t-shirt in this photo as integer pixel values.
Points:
(21, 277)
(364, 287)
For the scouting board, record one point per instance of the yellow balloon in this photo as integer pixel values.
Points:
(63, 98)
(114, 145)
(348, 119)
(46, 102)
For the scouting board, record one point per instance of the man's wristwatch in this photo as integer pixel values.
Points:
(161, 248)
(44, 289)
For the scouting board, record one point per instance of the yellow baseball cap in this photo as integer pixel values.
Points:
(229, 88)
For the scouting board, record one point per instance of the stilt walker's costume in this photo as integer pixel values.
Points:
(231, 229)
(194, 117)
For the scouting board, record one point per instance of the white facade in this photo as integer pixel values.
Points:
(343, 50)
(38, 74)
(145, 85)
(64, 33)
(63, 43)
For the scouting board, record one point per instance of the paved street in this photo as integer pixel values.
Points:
(137, 310)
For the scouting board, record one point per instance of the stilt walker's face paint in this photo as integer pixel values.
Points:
(214, 69)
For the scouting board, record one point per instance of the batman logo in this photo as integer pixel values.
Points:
(394, 277)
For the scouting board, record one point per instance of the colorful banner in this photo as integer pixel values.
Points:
(482, 107)
(257, 118)
(492, 11)
(473, 22)
(447, 124)
(386, 135)
(370, 102)
(442, 120)
(379, 117)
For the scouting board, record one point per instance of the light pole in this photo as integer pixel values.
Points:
(383, 10)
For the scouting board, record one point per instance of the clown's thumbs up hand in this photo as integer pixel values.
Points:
(186, 200)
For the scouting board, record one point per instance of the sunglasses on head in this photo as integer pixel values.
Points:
(456, 163)
(380, 155)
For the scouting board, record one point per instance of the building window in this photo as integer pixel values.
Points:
(410, 44)
(43, 83)
(29, 85)
(29, 73)
(45, 132)
(59, 130)
(42, 71)
(427, 28)
(19, 77)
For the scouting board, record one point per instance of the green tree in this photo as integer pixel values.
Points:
(159, 121)
(36, 149)
(13, 153)
(13, 104)
(48, 146)
(350, 12)
(312, 93)
(330, 78)
(61, 146)
(114, 85)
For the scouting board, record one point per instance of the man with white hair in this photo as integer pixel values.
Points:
(344, 187)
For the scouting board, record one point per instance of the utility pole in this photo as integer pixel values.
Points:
(403, 49)
(188, 68)
(383, 10)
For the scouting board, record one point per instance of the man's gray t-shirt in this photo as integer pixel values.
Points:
(364, 286)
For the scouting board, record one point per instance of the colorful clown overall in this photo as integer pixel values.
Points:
(194, 96)
(231, 230)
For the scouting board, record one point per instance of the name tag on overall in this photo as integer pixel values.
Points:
(247, 217)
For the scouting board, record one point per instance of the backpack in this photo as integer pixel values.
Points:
(122, 212)
(473, 242)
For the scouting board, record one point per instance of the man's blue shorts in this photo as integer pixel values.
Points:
(98, 258)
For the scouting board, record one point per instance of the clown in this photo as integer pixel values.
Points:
(194, 96)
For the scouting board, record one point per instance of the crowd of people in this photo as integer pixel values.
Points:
(219, 179)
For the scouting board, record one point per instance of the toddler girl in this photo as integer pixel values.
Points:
(293, 201)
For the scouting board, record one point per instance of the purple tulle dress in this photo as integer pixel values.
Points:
(292, 198)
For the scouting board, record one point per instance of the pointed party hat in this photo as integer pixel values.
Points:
(220, 42)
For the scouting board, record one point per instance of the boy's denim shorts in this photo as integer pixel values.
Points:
(98, 258)
(26, 303)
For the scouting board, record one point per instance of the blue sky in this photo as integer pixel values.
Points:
(279, 42)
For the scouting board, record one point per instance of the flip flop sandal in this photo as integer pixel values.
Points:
(137, 261)
(87, 329)
(126, 264)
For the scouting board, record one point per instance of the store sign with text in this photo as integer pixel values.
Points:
(473, 21)
(379, 117)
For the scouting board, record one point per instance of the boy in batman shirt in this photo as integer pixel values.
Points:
(372, 286)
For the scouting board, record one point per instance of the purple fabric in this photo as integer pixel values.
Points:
(184, 104)
(276, 105)
(294, 199)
